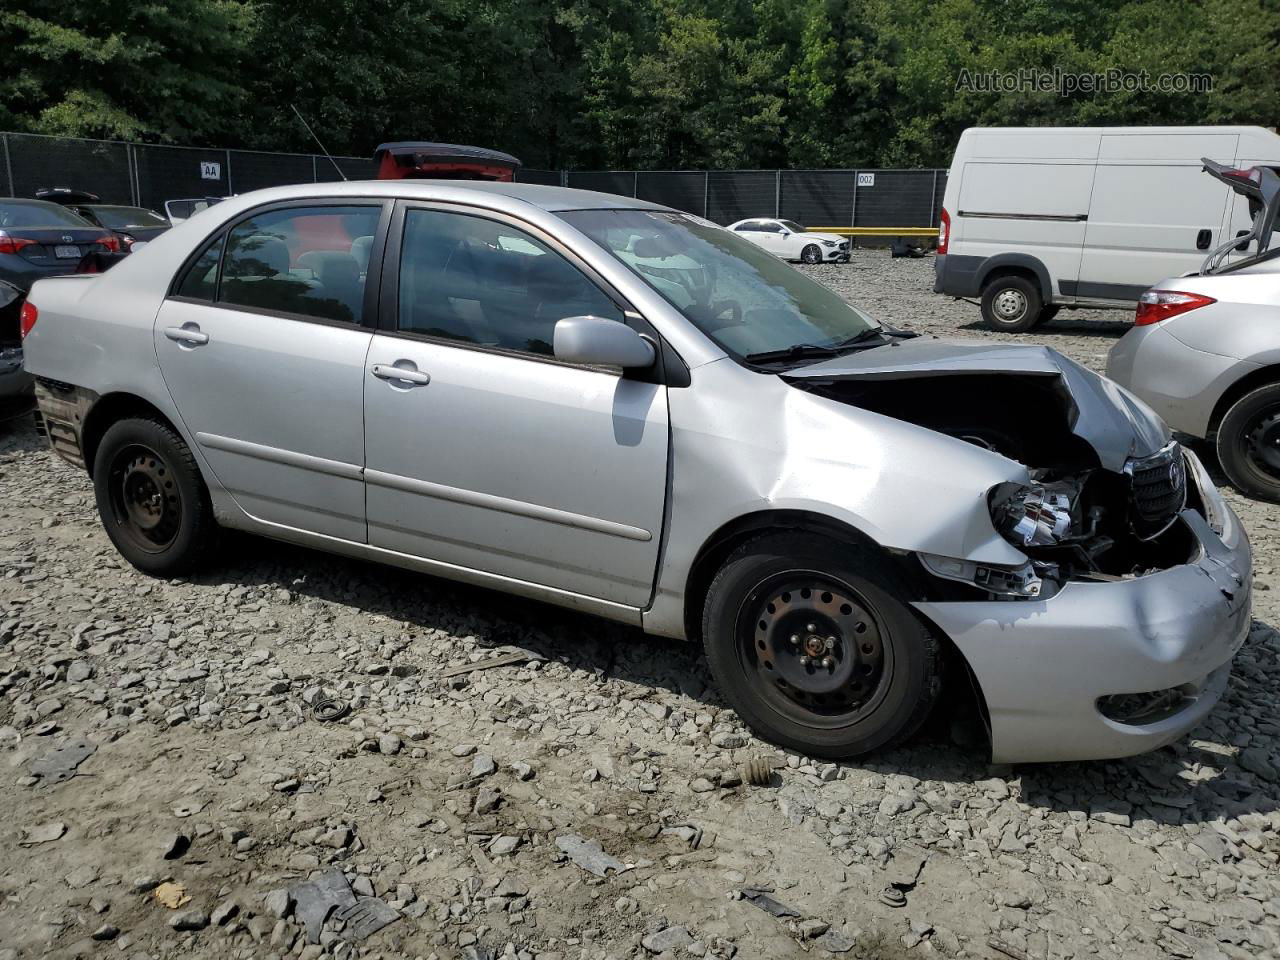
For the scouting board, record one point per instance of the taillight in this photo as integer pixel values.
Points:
(1157, 305)
(13, 244)
(944, 231)
(111, 242)
(27, 318)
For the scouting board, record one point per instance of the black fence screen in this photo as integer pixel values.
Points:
(98, 166)
(148, 174)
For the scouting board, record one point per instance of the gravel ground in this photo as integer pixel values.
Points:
(475, 808)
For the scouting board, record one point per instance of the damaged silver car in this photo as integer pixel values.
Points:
(621, 408)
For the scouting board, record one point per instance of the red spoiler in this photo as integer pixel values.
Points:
(446, 161)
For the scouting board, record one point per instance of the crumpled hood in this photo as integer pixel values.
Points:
(1109, 418)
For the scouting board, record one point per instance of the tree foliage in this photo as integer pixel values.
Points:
(627, 83)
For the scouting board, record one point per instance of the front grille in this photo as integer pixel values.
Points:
(1158, 490)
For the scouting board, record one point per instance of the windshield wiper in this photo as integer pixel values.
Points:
(797, 351)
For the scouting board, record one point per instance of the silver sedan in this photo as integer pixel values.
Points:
(622, 408)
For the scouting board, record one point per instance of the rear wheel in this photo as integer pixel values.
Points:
(1011, 304)
(151, 497)
(811, 254)
(1248, 443)
(811, 644)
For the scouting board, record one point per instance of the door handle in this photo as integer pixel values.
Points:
(1203, 239)
(387, 371)
(188, 333)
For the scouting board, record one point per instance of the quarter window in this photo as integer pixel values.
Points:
(201, 279)
(301, 260)
(479, 281)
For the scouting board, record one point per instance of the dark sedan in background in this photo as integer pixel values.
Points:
(129, 224)
(37, 239)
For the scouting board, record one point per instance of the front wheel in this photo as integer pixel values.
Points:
(1011, 304)
(812, 645)
(1248, 443)
(811, 254)
(152, 500)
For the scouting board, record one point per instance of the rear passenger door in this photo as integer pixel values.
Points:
(485, 452)
(262, 344)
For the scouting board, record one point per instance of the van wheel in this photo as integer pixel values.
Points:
(152, 500)
(1011, 304)
(811, 254)
(812, 645)
(1248, 443)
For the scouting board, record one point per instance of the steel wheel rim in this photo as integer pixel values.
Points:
(1010, 305)
(1262, 442)
(146, 502)
(829, 677)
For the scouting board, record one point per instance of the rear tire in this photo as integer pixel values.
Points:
(1248, 443)
(152, 500)
(811, 254)
(812, 645)
(1011, 304)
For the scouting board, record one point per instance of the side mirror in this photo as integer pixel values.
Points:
(600, 342)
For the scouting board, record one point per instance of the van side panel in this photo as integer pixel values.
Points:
(1034, 208)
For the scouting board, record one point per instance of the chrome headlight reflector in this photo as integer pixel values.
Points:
(1030, 516)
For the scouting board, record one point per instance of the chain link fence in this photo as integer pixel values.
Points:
(870, 201)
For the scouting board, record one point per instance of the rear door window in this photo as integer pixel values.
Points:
(300, 260)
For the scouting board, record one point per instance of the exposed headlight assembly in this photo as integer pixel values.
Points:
(1031, 516)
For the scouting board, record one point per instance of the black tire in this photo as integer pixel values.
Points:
(780, 597)
(1011, 304)
(1248, 443)
(811, 254)
(152, 500)
(1047, 313)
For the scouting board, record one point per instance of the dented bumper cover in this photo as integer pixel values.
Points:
(1043, 666)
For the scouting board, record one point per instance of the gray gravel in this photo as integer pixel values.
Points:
(448, 798)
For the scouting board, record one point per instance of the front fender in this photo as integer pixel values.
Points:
(775, 447)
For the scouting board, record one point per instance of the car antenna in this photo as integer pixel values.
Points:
(317, 140)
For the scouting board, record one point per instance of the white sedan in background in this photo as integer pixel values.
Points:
(790, 241)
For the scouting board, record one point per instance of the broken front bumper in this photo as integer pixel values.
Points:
(1045, 667)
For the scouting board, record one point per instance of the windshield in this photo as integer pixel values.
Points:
(37, 213)
(742, 297)
(122, 218)
(792, 226)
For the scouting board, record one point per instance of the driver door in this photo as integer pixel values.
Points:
(483, 451)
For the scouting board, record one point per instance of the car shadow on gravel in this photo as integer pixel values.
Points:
(18, 433)
(1064, 327)
(950, 748)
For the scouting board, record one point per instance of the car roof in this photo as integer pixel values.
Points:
(550, 199)
(28, 202)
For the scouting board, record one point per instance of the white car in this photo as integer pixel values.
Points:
(790, 241)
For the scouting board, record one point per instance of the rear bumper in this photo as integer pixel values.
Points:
(14, 381)
(22, 273)
(1043, 665)
(1180, 383)
(957, 275)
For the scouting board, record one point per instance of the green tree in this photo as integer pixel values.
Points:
(155, 71)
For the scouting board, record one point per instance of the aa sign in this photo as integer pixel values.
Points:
(210, 170)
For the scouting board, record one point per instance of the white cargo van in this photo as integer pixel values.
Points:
(1039, 218)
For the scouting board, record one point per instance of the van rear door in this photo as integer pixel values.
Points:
(1153, 213)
